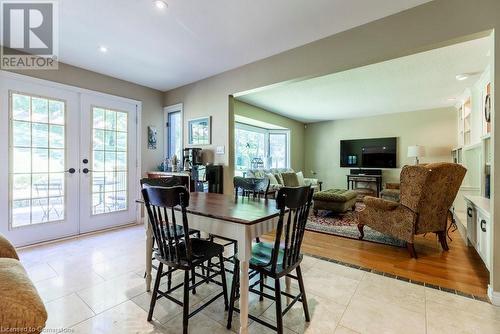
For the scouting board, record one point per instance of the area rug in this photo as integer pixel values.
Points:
(346, 225)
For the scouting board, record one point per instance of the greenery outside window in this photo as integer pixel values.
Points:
(268, 145)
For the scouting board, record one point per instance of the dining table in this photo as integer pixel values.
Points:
(238, 218)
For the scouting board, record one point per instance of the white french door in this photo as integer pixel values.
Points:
(70, 160)
(108, 180)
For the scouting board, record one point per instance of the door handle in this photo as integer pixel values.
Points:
(483, 225)
(469, 212)
(86, 170)
(71, 171)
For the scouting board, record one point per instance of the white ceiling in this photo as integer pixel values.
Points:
(417, 82)
(195, 39)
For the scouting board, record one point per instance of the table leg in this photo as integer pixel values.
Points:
(244, 255)
(244, 297)
(288, 286)
(149, 254)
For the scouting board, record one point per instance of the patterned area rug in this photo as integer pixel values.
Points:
(346, 225)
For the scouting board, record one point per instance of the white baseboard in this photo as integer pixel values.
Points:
(494, 296)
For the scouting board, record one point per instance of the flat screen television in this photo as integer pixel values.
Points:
(369, 153)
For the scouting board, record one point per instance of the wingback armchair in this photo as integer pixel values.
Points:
(427, 193)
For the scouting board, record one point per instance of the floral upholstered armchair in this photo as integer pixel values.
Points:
(427, 193)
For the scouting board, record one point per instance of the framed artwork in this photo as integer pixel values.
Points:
(152, 138)
(199, 131)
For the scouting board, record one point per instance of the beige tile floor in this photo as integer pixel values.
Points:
(94, 284)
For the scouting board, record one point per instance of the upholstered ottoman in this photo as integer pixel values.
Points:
(336, 200)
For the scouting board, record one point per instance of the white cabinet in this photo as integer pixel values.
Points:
(479, 226)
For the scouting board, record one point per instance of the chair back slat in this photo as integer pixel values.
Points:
(173, 248)
(251, 186)
(294, 204)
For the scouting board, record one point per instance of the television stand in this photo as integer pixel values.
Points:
(352, 179)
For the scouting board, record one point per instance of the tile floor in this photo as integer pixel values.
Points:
(94, 284)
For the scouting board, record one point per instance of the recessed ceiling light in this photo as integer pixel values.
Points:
(461, 77)
(103, 49)
(452, 99)
(160, 4)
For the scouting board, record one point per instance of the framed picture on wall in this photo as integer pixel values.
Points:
(152, 138)
(200, 131)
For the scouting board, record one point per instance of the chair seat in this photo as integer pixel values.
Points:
(261, 257)
(202, 250)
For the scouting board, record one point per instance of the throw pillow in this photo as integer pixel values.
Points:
(300, 179)
(279, 178)
(259, 174)
(272, 178)
(290, 179)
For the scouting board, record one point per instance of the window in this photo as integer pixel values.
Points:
(278, 149)
(174, 134)
(257, 147)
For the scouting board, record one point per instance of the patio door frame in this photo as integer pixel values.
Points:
(35, 233)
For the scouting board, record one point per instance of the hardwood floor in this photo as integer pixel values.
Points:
(460, 268)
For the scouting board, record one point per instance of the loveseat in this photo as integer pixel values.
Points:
(276, 178)
(21, 309)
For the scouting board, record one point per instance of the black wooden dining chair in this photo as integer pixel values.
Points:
(250, 187)
(255, 187)
(179, 253)
(168, 182)
(279, 259)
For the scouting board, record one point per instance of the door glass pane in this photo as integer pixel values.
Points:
(174, 134)
(38, 160)
(109, 161)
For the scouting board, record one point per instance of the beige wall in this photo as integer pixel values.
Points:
(435, 129)
(152, 101)
(296, 129)
(434, 24)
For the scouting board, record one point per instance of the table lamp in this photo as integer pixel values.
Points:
(416, 152)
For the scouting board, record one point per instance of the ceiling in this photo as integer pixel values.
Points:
(417, 82)
(194, 39)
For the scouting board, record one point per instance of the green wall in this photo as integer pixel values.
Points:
(296, 129)
(435, 129)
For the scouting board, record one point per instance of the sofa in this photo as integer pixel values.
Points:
(280, 177)
(427, 194)
(21, 309)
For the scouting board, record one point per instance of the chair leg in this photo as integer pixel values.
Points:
(193, 278)
(277, 301)
(223, 277)
(185, 303)
(442, 240)
(169, 279)
(303, 293)
(262, 279)
(155, 292)
(232, 299)
(411, 249)
(361, 231)
(209, 263)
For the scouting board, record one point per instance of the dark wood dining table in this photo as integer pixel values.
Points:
(242, 219)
